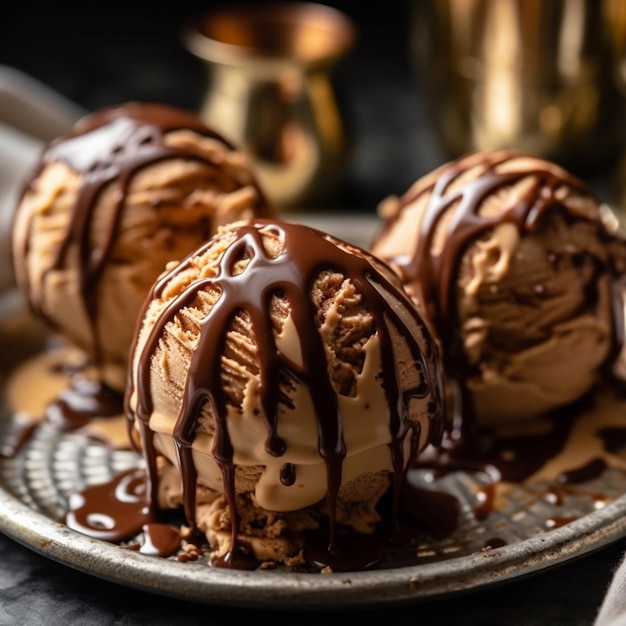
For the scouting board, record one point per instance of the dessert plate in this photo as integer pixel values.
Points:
(531, 529)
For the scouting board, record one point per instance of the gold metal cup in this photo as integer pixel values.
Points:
(614, 14)
(536, 75)
(615, 18)
(270, 91)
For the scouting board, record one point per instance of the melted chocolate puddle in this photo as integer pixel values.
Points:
(11, 450)
(160, 540)
(74, 407)
(115, 511)
(81, 402)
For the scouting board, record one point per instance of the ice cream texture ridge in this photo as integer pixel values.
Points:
(293, 397)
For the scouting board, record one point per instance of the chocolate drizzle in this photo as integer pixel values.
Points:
(111, 146)
(435, 274)
(290, 275)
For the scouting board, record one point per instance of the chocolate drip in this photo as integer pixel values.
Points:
(290, 275)
(111, 146)
(435, 274)
(288, 474)
(353, 552)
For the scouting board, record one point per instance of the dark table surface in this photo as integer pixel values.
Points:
(101, 55)
(35, 590)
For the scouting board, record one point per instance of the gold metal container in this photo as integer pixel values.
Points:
(270, 91)
(615, 18)
(537, 75)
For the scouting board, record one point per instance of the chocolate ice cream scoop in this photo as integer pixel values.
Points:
(128, 189)
(520, 270)
(289, 380)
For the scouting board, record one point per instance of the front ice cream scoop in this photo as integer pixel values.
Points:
(287, 374)
(520, 271)
(127, 190)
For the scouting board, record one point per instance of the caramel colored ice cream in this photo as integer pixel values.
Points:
(108, 205)
(281, 379)
(520, 270)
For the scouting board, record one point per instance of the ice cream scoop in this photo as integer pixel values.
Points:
(288, 380)
(108, 205)
(520, 268)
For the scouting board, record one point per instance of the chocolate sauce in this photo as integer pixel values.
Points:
(434, 274)
(111, 147)
(493, 543)
(511, 459)
(160, 540)
(115, 511)
(352, 551)
(558, 521)
(486, 496)
(74, 407)
(305, 254)
(242, 557)
(12, 449)
(82, 401)
(431, 511)
(288, 474)
(589, 471)
(557, 493)
(614, 439)
(516, 458)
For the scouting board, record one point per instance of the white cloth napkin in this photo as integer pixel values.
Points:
(30, 114)
(613, 609)
(18, 153)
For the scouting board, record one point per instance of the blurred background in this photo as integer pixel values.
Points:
(108, 53)
(423, 81)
